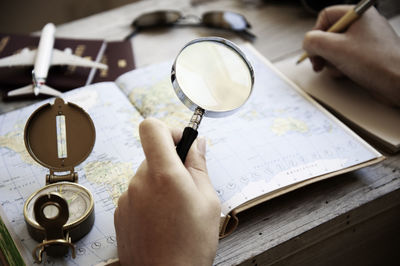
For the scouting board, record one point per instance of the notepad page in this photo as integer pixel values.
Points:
(354, 103)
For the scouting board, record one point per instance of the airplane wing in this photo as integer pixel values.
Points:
(24, 90)
(64, 58)
(30, 89)
(25, 58)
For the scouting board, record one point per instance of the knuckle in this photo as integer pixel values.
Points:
(198, 169)
(323, 14)
(116, 212)
(116, 215)
(312, 42)
(132, 189)
(308, 40)
(165, 177)
(327, 11)
(215, 204)
(324, 18)
(120, 202)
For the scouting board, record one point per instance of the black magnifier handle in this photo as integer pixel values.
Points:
(188, 137)
(189, 134)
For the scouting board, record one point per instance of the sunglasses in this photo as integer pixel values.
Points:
(214, 19)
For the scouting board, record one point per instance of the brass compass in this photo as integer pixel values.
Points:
(59, 136)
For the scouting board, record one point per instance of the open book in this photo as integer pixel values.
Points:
(280, 140)
(371, 118)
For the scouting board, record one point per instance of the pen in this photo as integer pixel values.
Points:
(345, 21)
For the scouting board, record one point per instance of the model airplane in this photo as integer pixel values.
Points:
(42, 58)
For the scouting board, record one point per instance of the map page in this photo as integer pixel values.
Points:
(279, 138)
(106, 172)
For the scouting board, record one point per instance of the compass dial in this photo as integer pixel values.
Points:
(79, 200)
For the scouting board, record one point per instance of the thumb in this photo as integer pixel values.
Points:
(327, 45)
(197, 167)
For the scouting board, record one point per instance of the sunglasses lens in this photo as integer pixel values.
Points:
(225, 20)
(158, 18)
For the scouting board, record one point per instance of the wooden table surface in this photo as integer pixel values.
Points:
(352, 219)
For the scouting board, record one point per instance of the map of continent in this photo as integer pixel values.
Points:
(14, 141)
(282, 126)
(115, 175)
(155, 97)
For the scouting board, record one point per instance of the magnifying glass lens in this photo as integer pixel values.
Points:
(212, 77)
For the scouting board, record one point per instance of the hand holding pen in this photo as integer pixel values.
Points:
(367, 52)
(346, 20)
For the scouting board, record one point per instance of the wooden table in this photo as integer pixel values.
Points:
(350, 219)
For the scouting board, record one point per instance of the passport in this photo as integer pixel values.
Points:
(118, 55)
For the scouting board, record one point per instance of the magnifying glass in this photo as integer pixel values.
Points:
(213, 78)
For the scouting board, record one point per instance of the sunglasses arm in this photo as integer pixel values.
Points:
(247, 35)
(130, 35)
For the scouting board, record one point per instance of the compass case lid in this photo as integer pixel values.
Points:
(42, 135)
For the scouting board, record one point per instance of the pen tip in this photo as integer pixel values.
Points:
(299, 61)
(302, 58)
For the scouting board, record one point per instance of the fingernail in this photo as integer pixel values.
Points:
(201, 145)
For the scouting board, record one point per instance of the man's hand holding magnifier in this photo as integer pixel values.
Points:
(170, 213)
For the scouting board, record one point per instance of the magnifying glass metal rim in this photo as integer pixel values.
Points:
(190, 132)
(187, 101)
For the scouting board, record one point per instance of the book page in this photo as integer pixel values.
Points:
(379, 121)
(279, 138)
(106, 172)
